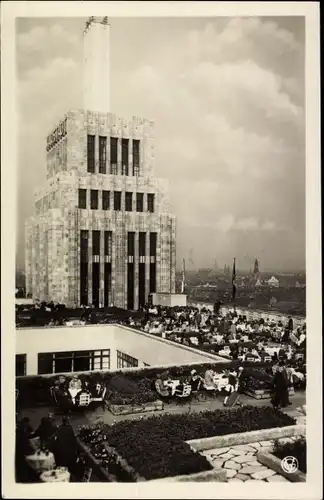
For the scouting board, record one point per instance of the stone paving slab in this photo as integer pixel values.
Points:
(244, 458)
(242, 477)
(230, 473)
(263, 474)
(232, 465)
(241, 463)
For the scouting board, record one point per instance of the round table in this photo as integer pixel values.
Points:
(41, 462)
(74, 392)
(220, 382)
(55, 476)
(172, 384)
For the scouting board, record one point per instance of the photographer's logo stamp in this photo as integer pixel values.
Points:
(289, 464)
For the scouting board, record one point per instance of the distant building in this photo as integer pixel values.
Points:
(273, 282)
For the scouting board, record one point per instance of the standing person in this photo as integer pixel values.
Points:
(290, 324)
(65, 445)
(46, 430)
(232, 385)
(280, 387)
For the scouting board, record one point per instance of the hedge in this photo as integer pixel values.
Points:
(155, 447)
(34, 390)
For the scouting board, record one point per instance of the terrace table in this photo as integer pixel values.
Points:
(220, 382)
(59, 475)
(74, 393)
(40, 461)
(173, 384)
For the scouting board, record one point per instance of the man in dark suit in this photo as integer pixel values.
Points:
(280, 387)
(65, 445)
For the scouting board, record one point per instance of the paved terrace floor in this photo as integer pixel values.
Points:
(92, 416)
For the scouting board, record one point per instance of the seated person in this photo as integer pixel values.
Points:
(219, 339)
(161, 389)
(62, 382)
(209, 383)
(75, 383)
(195, 381)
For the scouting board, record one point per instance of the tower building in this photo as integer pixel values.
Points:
(102, 233)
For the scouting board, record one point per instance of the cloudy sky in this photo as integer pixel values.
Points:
(227, 98)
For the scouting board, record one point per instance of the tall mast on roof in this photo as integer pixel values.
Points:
(96, 64)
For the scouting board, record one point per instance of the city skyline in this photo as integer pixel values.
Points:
(229, 124)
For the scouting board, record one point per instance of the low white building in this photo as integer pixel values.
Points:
(43, 351)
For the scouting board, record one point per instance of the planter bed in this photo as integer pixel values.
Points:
(272, 462)
(242, 438)
(111, 468)
(126, 409)
(264, 393)
(157, 447)
(297, 449)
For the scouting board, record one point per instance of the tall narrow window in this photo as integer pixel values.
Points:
(113, 154)
(84, 245)
(105, 200)
(142, 244)
(131, 245)
(94, 199)
(124, 157)
(91, 153)
(102, 154)
(107, 284)
(130, 270)
(150, 202)
(141, 269)
(153, 240)
(139, 202)
(95, 283)
(84, 268)
(95, 242)
(82, 198)
(117, 200)
(128, 202)
(136, 157)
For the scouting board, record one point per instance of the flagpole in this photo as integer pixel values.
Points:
(234, 283)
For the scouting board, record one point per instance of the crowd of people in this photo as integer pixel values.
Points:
(235, 381)
(59, 440)
(202, 328)
(215, 327)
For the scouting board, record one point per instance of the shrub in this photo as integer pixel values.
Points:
(123, 390)
(155, 447)
(296, 449)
